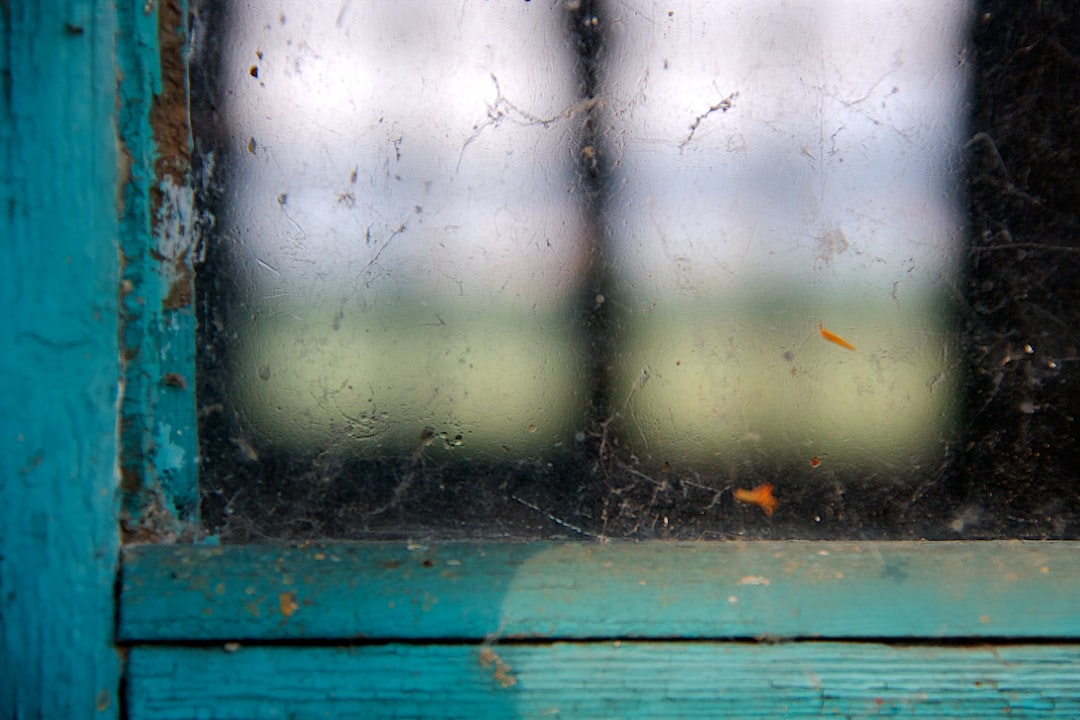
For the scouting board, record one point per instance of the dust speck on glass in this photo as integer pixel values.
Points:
(626, 269)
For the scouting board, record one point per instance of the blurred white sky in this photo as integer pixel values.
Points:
(403, 139)
(844, 122)
(430, 147)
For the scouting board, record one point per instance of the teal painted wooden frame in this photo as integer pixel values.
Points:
(158, 436)
(458, 630)
(95, 222)
(60, 367)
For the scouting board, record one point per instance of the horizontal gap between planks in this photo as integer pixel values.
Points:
(891, 642)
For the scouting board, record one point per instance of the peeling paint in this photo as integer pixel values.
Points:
(502, 674)
(287, 604)
(158, 426)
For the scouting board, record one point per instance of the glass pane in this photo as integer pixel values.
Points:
(584, 269)
(786, 222)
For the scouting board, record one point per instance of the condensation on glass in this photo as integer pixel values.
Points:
(582, 269)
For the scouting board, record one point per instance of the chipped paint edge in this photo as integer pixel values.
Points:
(159, 450)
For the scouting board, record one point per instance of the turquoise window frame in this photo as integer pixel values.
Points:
(98, 433)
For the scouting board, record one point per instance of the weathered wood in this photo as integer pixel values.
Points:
(157, 241)
(59, 368)
(605, 680)
(717, 590)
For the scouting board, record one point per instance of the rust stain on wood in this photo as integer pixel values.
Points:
(181, 289)
(502, 674)
(170, 123)
(169, 109)
(287, 603)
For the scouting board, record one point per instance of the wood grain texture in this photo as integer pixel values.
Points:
(157, 241)
(605, 680)
(59, 368)
(658, 590)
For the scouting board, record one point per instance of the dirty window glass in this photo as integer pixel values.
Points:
(629, 270)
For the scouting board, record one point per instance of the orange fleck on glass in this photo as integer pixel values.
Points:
(834, 338)
(762, 496)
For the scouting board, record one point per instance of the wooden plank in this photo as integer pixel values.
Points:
(659, 590)
(605, 680)
(59, 369)
(158, 426)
